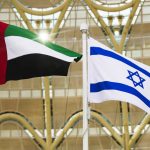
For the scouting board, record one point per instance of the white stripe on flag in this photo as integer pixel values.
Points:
(19, 46)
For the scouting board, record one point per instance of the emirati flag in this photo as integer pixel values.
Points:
(23, 55)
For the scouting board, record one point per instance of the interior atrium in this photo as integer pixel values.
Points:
(27, 119)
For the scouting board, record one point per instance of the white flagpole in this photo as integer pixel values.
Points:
(84, 30)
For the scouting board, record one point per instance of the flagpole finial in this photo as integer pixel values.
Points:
(84, 27)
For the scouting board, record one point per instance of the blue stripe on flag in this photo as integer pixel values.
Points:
(106, 85)
(100, 51)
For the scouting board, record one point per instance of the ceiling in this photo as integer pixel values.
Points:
(40, 3)
(52, 3)
(111, 1)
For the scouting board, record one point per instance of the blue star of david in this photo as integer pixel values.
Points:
(133, 75)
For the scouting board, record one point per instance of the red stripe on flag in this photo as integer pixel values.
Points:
(3, 53)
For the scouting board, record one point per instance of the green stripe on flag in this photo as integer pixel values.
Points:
(17, 31)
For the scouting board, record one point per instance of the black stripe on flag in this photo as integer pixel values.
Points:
(35, 65)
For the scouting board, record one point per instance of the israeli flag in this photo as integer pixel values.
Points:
(112, 76)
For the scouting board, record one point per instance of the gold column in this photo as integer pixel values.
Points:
(21, 9)
(18, 118)
(94, 115)
(47, 114)
(144, 122)
(46, 81)
(118, 46)
(125, 126)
